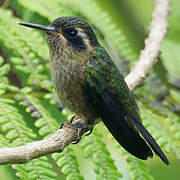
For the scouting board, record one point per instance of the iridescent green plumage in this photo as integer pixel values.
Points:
(90, 85)
(109, 95)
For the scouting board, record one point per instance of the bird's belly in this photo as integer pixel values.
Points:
(69, 88)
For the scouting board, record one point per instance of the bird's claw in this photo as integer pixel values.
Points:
(79, 127)
(63, 125)
(77, 140)
(72, 119)
(74, 127)
(75, 117)
(90, 131)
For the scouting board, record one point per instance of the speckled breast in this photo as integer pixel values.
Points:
(68, 78)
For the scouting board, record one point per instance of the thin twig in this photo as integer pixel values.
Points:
(63, 137)
(149, 55)
(55, 143)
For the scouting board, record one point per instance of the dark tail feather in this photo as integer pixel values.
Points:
(128, 137)
(119, 126)
(147, 136)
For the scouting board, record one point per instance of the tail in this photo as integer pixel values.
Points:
(128, 137)
(147, 136)
(121, 123)
(125, 129)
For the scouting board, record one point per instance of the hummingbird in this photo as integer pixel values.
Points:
(90, 85)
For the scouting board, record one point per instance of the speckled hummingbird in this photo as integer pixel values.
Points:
(89, 84)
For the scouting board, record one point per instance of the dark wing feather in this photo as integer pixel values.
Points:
(116, 123)
(109, 96)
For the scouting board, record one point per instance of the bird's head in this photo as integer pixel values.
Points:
(70, 34)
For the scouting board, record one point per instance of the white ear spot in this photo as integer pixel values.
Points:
(84, 37)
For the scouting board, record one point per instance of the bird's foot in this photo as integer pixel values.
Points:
(90, 131)
(80, 127)
(75, 117)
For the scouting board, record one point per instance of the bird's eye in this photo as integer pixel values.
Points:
(72, 33)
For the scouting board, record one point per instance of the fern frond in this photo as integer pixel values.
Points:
(47, 125)
(67, 161)
(13, 126)
(47, 9)
(3, 142)
(137, 168)
(4, 82)
(94, 148)
(26, 54)
(35, 169)
(17, 133)
(23, 44)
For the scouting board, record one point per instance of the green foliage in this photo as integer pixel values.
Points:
(95, 149)
(18, 135)
(28, 104)
(47, 9)
(4, 82)
(137, 168)
(35, 169)
(68, 163)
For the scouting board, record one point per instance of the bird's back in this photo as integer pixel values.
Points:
(109, 95)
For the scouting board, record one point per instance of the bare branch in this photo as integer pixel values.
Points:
(149, 55)
(63, 137)
(56, 143)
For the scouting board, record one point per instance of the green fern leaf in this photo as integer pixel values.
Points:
(66, 160)
(94, 148)
(17, 133)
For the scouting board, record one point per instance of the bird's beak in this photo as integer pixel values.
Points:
(38, 26)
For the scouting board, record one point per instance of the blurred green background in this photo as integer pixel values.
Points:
(129, 18)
